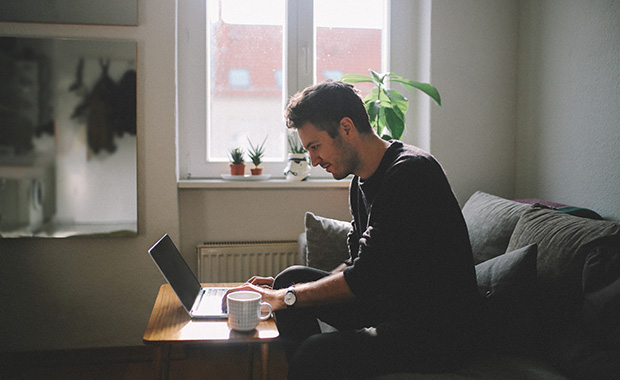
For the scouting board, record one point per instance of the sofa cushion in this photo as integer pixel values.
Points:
(326, 242)
(592, 350)
(507, 282)
(563, 244)
(573, 210)
(601, 288)
(490, 222)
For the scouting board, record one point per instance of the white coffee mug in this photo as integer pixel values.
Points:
(244, 310)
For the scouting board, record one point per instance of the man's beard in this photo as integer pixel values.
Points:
(348, 159)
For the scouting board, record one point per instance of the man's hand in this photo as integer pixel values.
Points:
(328, 290)
(266, 282)
(261, 285)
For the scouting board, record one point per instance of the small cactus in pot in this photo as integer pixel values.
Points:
(237, 163)
(256, 154)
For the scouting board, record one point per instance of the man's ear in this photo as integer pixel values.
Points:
(347, 128)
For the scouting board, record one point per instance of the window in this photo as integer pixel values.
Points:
(254, 55)
(247, 104)
(239, 78)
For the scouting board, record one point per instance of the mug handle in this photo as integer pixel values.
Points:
(268, 315)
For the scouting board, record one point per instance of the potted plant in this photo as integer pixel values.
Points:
(298, 167)
(237, 164)
(256, 156)
(294, 143)
(387, 108)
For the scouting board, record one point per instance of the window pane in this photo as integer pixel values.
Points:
(245, 92)
(349, 35)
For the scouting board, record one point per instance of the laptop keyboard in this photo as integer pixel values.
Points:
(218, 292)
(211, 302)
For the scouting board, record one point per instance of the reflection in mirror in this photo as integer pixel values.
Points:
(67, 137)
(108, 12)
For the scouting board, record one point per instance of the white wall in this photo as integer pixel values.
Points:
(474, 65)
(568, 142)
(250, 215)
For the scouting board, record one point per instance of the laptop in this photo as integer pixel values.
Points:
(199, 302)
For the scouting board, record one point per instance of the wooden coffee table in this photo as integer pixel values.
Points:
(170, 324)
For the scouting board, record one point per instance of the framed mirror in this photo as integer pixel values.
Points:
(68, 159)
(109, 12)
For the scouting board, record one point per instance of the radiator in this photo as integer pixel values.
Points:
(238, 261)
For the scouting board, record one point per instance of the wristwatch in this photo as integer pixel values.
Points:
(290, 297)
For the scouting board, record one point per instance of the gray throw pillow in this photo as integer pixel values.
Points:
(564, 241)
(326, 242)
(490, 221)
(507, 283)
(601, 288)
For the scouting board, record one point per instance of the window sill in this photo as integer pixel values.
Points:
(269, 184)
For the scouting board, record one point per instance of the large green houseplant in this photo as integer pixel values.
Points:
(387, 107)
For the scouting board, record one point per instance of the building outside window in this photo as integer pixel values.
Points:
(239, 78)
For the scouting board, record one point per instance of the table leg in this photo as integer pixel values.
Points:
(264, 355)
(259, 364)
(162, 361)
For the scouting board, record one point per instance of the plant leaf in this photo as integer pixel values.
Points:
(382, 121)
(373, 108)
(395, 123)
(384, 97)
(399, 102)
(373, 96)
(356, 78)
(426, 88)
(378, 77)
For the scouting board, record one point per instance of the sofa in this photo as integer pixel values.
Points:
(550, 278)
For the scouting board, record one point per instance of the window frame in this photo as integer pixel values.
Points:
(409, 59)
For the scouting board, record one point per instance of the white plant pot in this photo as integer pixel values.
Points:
(298, 167)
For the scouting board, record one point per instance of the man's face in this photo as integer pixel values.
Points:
(335, 155)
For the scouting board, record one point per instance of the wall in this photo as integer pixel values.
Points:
(474, 65)
(247, 215)
(95, 292)
(568, 142)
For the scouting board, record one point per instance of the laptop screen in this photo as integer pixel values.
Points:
(176, 271)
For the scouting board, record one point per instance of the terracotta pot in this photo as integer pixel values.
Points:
(237, 169)
(256, 171)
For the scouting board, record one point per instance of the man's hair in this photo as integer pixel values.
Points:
(325, 104)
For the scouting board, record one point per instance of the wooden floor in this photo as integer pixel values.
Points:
(128, 363)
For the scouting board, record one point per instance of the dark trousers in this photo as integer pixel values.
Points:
(355, 351)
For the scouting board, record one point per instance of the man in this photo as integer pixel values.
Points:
(406, 300)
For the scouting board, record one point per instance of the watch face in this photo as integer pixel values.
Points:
(289, 298)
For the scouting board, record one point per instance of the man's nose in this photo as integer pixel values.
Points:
(314, 159)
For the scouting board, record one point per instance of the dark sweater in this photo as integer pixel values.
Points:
(410, 250)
